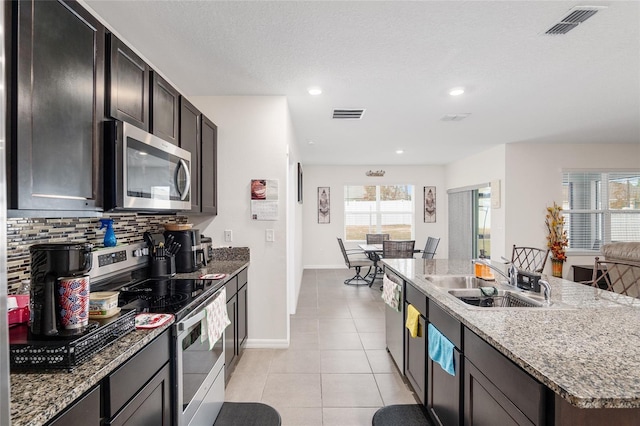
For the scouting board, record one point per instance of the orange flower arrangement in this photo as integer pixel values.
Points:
(557, 239)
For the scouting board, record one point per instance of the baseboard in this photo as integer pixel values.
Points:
(267, 344)
(339, 266)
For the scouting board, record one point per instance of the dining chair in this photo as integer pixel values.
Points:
(377, 238)
(355, 258)
(529, 258)
(620, 277)
(430, 248)
(398, 249)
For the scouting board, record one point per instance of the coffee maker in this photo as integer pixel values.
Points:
(190, 257)
(49, 263)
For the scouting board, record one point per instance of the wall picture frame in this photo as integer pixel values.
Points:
(300, 187)
(429, 204)
(324, 204)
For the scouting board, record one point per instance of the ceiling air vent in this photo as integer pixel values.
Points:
(455, 117)
(348, 114)
(576, 16)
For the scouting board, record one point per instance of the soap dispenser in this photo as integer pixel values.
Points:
(109, 235)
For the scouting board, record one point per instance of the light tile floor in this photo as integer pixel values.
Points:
(336, 370)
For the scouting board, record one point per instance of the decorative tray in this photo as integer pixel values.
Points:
(27, 354)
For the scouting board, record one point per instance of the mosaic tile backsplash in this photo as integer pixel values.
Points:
(23, 232)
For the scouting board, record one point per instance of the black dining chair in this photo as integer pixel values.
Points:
(398, 249)
(377, 238)
(529, 258)
(430, 247)
(356, 259)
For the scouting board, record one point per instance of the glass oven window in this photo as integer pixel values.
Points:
(197, 360)
(151, 172)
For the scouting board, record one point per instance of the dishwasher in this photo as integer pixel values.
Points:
(394, 323)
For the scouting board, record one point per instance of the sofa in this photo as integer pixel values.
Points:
(623, 267)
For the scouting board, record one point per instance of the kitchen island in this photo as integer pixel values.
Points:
(38, 397)
(584, 347)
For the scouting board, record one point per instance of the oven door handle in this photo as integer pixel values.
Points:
(188, 323)
(187, 184)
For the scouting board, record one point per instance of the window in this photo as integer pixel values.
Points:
(482, 222)
(381, 209)
(601, 207)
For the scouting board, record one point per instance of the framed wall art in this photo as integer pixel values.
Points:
(429, 204)
(324, 204)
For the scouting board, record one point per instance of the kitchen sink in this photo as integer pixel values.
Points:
(455, 281)
(491, 297)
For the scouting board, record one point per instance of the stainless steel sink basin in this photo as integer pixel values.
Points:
(455, 281)
(491, 297)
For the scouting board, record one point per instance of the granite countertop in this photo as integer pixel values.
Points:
(37, 397)
(586, 347)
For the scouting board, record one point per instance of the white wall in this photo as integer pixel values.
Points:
(534, 177)
(485, 167)
(320, 246)
(253, 137)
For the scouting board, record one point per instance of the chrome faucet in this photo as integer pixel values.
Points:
(511, 276)
(546, 290)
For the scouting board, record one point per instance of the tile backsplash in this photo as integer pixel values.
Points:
(23, 232)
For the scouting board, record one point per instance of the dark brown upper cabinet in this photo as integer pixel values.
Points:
(128, 84)
(190, 118)
(56, 107)
(199, 135)
(165, 109)
(209, 177)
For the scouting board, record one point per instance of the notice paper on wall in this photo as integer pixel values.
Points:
(264, 199)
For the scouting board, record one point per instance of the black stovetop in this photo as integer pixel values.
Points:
(171, 296)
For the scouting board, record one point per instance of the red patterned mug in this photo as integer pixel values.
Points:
(73, 300)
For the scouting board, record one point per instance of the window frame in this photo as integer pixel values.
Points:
(378, 213)
(602, 214)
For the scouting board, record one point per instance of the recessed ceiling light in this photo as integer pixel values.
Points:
(315, 91)
(310, 142)
(399, 151)
(456, 91)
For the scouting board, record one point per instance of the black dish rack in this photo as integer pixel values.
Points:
(69, 353)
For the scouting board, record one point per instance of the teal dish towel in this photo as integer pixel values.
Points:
(441, 350)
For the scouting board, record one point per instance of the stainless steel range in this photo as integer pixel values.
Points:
(198, 367)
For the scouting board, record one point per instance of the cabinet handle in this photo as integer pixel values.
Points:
(185, 192)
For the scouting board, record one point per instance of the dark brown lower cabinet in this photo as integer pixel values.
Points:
(443, 392)
(85, 411)
(151, 406)
(497, 391)
(235, 334)
(229, 337)
(415, 356)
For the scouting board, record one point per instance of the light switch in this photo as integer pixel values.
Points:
(269, 235)
(228, 235)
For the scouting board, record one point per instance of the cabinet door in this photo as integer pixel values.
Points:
(190, 140)
(230, 351)
(129, 85)
(85, 411)
(415, 359)
(56, 107)
(444, 398)
(242, 317)
(165, 109)
(151, 406)
(209, 177)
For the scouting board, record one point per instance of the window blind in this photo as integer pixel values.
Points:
(601, 207)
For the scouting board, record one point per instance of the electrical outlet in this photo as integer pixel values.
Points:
(269, 235)
(228, 235)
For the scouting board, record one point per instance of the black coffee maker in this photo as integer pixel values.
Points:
(48, 263)
(191, 256)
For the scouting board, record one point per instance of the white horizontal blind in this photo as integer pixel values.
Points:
(601, 207)
(378, 209)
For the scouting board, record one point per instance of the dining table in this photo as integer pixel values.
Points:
(373, 252)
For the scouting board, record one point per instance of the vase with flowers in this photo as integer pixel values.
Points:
(557, 240)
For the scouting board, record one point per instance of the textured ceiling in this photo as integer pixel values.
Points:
(398, 60)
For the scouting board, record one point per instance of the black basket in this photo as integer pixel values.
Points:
(44, 355)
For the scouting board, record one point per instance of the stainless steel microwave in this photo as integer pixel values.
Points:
(144, 172)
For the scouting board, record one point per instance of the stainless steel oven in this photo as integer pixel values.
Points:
(199, 370)
(144, 172)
